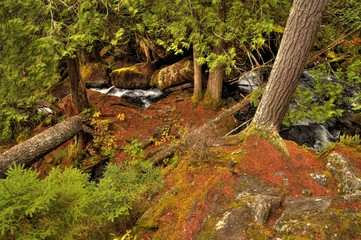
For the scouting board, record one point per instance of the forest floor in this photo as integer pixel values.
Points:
(199, 177)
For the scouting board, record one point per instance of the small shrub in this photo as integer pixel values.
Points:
(350, 140)
(65, 205)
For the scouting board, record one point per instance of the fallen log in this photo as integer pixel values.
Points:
(203, 135)
(178, 88)
(31, 150)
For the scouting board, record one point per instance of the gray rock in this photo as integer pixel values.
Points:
(262, 207)
(254, 201)
(342, 169)
(321, 218)
(320, 178)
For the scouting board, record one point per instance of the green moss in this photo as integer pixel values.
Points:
(210, 103)
(133, 68)
(270, 135)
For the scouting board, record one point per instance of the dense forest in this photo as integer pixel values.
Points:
(232, 84)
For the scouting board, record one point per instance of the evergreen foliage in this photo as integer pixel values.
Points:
(65, 205)
(246, 27)
(35, 37)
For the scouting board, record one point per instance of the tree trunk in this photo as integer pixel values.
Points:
(197, 93)
(296, 44)
(38, 146)
(213, 93)
(79, 96)
(77, 87)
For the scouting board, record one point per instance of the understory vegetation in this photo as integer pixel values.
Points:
(66, 205)
(37, 37)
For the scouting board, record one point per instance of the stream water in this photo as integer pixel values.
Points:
(139, 97)
(306, 133)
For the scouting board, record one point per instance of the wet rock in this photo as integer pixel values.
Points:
(94, 75)
(321, 218)
(345, 174)
(137, 76)
(175, 74)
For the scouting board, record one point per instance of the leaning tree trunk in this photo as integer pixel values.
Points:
(296, 44)
(197, 93)
(36, 147)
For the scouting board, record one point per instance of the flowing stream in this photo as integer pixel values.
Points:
(139, 97)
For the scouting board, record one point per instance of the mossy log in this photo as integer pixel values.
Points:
(31, 150)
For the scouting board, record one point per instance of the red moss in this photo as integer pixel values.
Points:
(263, 161)
(352, 154)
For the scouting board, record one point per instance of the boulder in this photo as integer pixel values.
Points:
(254, 201)
(175, 74)
(137, 76)
(321, 218)
(346, 175)
(94, 75)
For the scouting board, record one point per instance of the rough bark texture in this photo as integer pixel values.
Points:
(215, 80)
(197, 93)
(213, 93)
(77, 87)
(36, 147)
(295, 46)
(79, 96)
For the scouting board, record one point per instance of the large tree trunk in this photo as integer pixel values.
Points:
(36, 147)
(213, 95)
(77, 86)
(296, 43)
(79, 96)
(197, 93)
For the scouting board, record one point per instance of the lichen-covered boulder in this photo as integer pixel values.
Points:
(94, 75)
(321, 218)
(346, 175)
(254, 200)
(137, 76)
(175, 74)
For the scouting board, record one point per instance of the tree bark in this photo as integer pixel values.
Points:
(213, 93)
(38, 146)
(77, 87)
(79, 96)
(197, 92)
(301, 29)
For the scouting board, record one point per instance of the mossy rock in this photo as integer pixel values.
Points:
(94, 75)
(137, 76)
(175, 74)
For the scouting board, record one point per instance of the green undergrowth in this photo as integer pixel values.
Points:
(66, 205)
